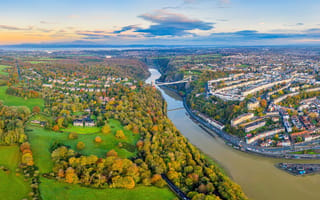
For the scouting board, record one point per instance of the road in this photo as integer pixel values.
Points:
(174, 188)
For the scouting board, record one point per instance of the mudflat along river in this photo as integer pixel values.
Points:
(258, 176)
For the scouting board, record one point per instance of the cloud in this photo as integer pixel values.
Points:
(73, 16)
(93, 34)
(296, 24)
(47, 22)
(253, 36)
(44, 30)
(195, 1)
(313, 30)
(15, 28)
(250, 35)
(126, 28)
(171, 24)
(222, 20)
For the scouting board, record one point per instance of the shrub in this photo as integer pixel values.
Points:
(120, 134)
(98, 139)
(106, 129)
(112, 153)
(80, 145)
(73, 136)
(55, 128)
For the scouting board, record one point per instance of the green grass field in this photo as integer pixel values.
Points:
(2, 67)
(309, 151)
(243, 66)
(19, 101)
(78, 113)
(37, 62)
(12, 187)
(82, 130)
(41, 140)
(40, 117)
(47, 58)
(53, 190)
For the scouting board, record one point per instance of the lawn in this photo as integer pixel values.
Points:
(2, 67)
(82, 130)
(78, 113)
(12, 187)
(19, 101)
(309, 151)
(242, 66)
(42, 140)
(40, 117)
(37, 62)
(53, 190)
(192, 72)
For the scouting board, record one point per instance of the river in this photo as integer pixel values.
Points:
(258, 176)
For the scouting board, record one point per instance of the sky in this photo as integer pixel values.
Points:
(165, 22)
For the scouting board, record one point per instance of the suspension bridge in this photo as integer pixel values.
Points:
(186, 80)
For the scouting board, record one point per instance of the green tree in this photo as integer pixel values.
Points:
(80, 145)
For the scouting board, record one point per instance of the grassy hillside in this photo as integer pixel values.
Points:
(53, 190)
(42, 140)
(2, 71)
(19, 101)
(13, 186)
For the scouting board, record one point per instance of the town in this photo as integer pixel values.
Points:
(269, 100)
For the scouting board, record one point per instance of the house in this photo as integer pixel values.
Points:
(47, 85)
(284, 143)
(35, 122)
(263, 135)
(275, 119)
(241, 118)
(133, 87)
(254, 126)
(43, 123)
(78, 122)
(89, 123)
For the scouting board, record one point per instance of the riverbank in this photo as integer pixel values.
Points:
(237, 143)
(256, 174)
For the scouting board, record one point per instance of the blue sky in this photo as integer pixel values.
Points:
(210, 22)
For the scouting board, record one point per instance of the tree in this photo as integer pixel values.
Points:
(98, 139)
(120, 134)
(123, 182)
(112, 153)
(80, 145)
(313, 115)
(202, 188)
(71, 176)
(36, 109)
(61, 173)
(24, 146)
(27, 159)
(55, 128)
(73, 136)
(106, 129)
(263, 103)
(157, 180)
(139, 144)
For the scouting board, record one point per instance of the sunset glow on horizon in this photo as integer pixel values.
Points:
(149, 22)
